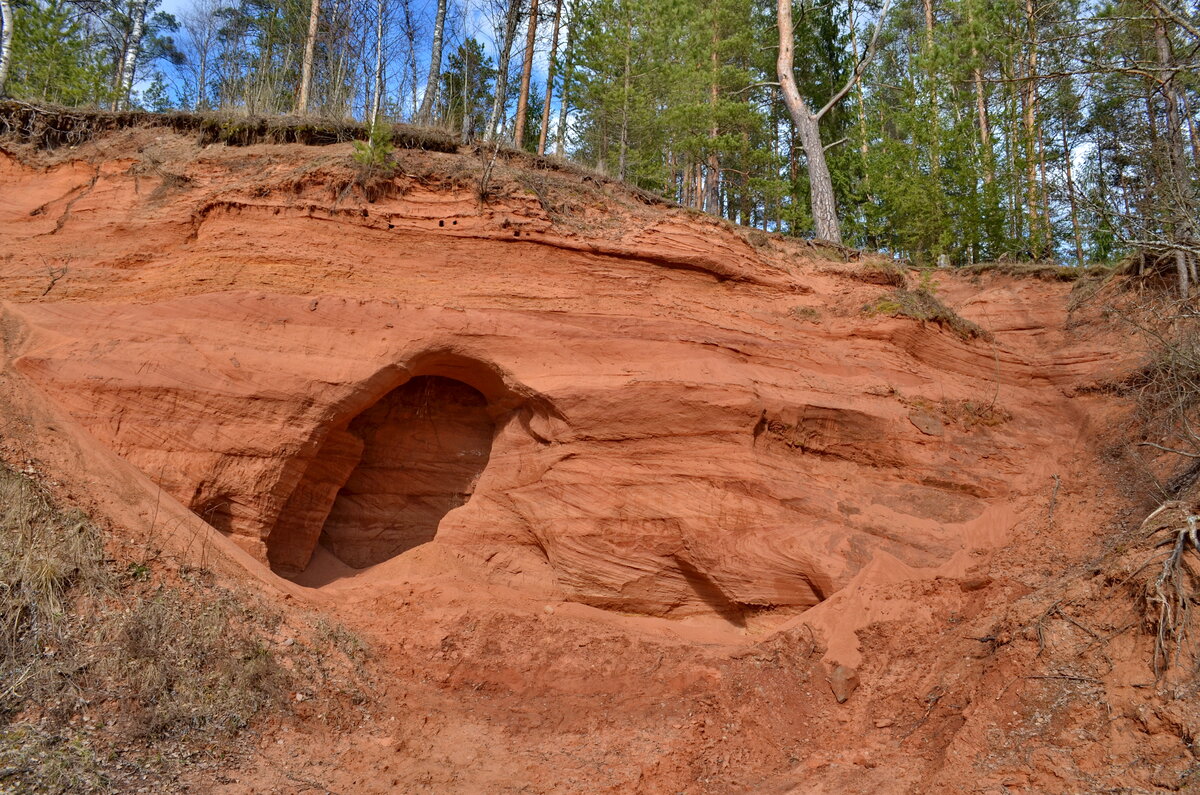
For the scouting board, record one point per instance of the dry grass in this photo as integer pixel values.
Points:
(881, 272)
(1046, 271)
(968, 414)
(1164, 436)
(1166, 388)
(921, 304)
(48, 560)
(808, 314)
(116, 677)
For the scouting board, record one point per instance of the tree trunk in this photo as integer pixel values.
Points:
(510, 31)
(931, 92)
(377, 99)
(201, 79)
(625, 108)
(985, 134)
(1047, 224)
(6, 37)
(435, 66)
(306, 66)
(712, 198)
(1179, 204)
(129, 61)
(986, 155)
(860, 101)
(824, 210)
(1192, 134)
(564, 100)
(1071, 197)
(1030, 97)
(541, 145)
(526, 74)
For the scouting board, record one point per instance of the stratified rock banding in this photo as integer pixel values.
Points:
(661, 420)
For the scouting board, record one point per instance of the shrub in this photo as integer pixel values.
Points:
(374, 156)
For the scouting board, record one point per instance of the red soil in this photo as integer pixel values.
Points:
(683, 487)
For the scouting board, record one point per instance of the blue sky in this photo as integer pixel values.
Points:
(463, 18)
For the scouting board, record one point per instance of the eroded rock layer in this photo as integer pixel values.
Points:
(658, 417)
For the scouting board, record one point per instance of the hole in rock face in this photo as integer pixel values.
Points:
(424, 444)
(219, 513)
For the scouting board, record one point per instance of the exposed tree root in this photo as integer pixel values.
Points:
(1170, 595)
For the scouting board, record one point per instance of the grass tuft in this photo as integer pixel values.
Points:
(882, 272)
(921, 304)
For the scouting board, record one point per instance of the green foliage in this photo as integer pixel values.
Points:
(54, 58)
(375, 155)
(662, 101)
(467, 85)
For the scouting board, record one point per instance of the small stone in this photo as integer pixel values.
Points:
(883, 723)
(843, 680)
(974, 583)
(926, 423)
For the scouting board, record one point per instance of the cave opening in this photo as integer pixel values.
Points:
(424, 445)
(381, 484)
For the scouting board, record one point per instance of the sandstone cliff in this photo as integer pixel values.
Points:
(545, 391)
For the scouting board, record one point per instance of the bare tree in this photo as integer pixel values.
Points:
(526, 73)
(808, 123)
(200, 25)
(511, 17)
(306, 66)
(1179, 200)
(541, 145)
(6, 37)
(409, 84)
(564, 99)
(377, 87)
(435, 66)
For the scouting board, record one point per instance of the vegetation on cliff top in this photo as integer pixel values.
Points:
(957, 130)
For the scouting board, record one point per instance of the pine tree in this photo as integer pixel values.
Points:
(54, 58)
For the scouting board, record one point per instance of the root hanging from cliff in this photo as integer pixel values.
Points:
(1169, 596)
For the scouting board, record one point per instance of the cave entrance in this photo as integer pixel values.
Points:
(423, 446)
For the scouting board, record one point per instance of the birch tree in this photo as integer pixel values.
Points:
(511, 17)
(377, 82)
(129, 58)
(6, 37)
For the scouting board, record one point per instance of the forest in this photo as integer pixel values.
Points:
(946, 132)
